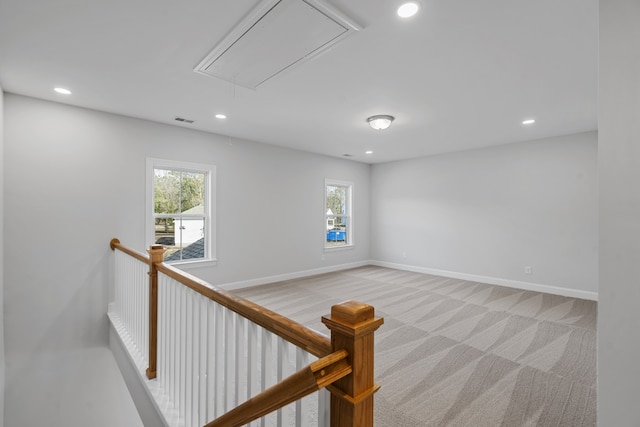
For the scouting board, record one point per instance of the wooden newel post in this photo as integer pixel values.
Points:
(156, 253)
(352, 326)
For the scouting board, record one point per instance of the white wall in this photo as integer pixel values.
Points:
(486, 214)
(1, 257)
(619, 182)
(78, 179)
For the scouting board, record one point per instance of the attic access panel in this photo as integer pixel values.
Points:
(277, 35)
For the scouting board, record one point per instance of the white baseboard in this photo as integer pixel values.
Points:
(289, 276)
(529, 286)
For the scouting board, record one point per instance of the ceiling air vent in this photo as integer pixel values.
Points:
(274, 37)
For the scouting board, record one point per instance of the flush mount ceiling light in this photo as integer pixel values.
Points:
(221, 116)
(380, 122)
(62, 91)
(409, 9)
(528, 122)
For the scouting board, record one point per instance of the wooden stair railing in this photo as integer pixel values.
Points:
(345, 365)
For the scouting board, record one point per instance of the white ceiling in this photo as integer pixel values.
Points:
(459, 75)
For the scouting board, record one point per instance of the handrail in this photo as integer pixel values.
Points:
(115, 244)
(309, 379)
(309, 340)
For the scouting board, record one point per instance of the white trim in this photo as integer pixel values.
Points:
(158, 403)
(529, 286)
(338, 248)
(259, 11)
(193, 263)
(289, 276)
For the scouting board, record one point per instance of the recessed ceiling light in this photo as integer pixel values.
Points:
(368, 152)
(221, 116)
(528, 122)
(409, 9)
(62, 90)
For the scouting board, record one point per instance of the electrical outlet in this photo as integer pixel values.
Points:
(528, 269)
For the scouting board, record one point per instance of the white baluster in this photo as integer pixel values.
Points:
(240, 357)
(212, 358)
(171, 355)
(220, 361)
(195, 383)
(133, 309)
(202, 392)
(145, 294)
(267, 366)
(182, 350)
(161, 374)
(229, 359)
(324, 408)
(299, 365)
(307, 407)
(253, 382)
(188, 351)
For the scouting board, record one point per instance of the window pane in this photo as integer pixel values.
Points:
(336, 200)
(184, 238)
(166, 191)
(337, 233)
(192, 193)
(164, 231)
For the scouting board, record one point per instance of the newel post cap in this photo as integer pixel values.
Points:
(352, 312)
(353, 318)
(156, 252)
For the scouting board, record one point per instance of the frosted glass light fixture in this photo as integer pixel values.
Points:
(528, 122)
(380, 122)
(62, 91)
(221, 116)
(409, 9)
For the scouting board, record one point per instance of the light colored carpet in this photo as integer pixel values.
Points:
(459, 353)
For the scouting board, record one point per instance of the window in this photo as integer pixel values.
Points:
(338, 214)
(179, 209)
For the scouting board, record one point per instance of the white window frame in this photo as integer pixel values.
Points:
(350, 240)
(209, 206)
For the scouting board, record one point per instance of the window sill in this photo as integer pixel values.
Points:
(339, 248)
(201, 263)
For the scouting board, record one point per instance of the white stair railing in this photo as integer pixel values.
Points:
(131, 300)
(211, 359)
